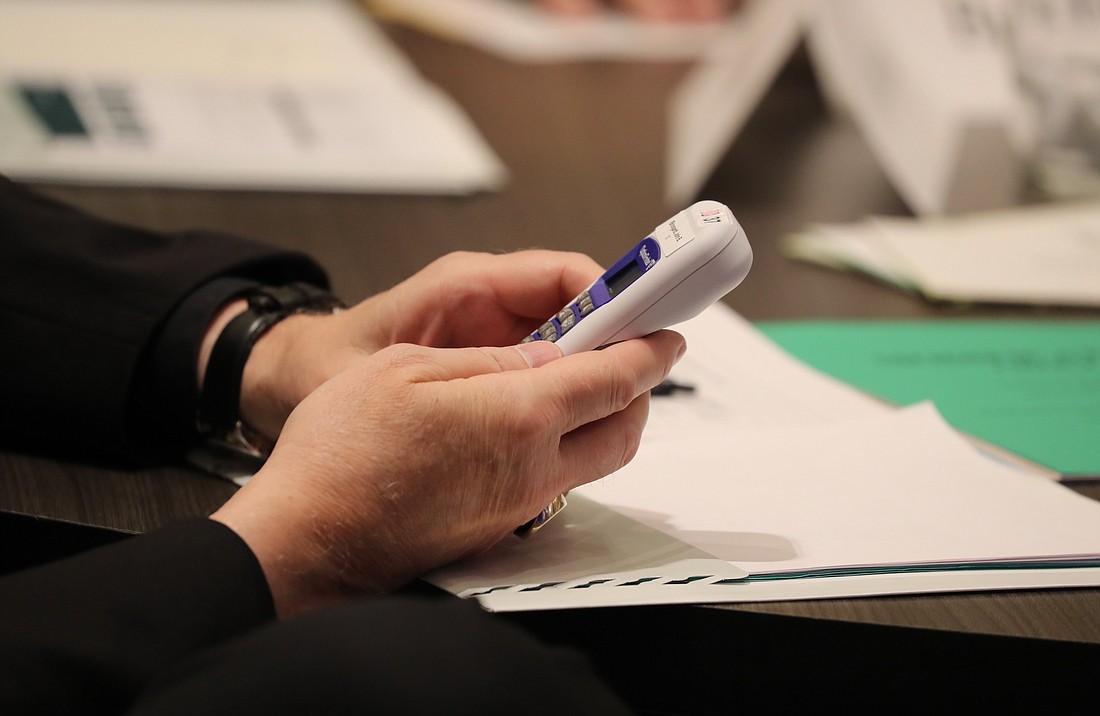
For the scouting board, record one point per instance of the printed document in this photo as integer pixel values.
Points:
(280, 94)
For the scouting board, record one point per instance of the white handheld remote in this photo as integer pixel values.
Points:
(681, 268)
(685, 265)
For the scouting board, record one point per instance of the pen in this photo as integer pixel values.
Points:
(669, 387)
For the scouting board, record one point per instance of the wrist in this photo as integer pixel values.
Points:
(300, 564)
(230, 311)
(285, 364)
(226, 406)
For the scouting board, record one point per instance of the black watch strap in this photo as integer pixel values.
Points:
(219, 403)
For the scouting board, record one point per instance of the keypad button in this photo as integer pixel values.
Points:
(566, 318)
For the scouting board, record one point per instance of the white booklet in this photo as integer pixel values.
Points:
(771, 482)
(280, 94)
(1043, 255)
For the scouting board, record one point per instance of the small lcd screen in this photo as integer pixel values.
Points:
(622, 278)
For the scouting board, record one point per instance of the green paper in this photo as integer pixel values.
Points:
(1031, 387)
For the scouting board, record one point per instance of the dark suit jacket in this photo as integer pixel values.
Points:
(100, 324)
(87, 634)
(99, 331)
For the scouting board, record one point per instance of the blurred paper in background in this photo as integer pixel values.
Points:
(931, 88)
(716, 98)
(280, 94)
(1042, 255)
(523, 32)
(1054, 46)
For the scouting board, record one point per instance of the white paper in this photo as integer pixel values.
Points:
(281, 94)
(743, 380)
(899, 501)
(896, 490)
(524, 32)
(1045, 255)
(850, 246)
(1041, 256)
(771, 467)
(585, 543)
(933, 92)
(713, 102)
(718, 590)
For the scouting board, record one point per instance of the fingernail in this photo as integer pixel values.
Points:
(538, 353)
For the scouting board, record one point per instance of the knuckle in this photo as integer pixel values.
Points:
(400, 358)
(621, 388)
(500, 360)
(449, 260)
(533, 420)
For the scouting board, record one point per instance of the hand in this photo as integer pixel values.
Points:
(653, 10)
(460, 300)
(413, 457)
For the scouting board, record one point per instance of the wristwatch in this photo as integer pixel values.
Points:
(229, 447)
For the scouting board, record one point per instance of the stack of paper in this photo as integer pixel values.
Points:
(281, 94)
(1047, 255)
(772, 481)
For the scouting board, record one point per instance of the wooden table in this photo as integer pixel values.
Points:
(584, 144)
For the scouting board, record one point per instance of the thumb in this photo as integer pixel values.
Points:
(538, 353)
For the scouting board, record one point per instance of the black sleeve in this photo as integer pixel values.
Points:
(84, 305)
(86, 634)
